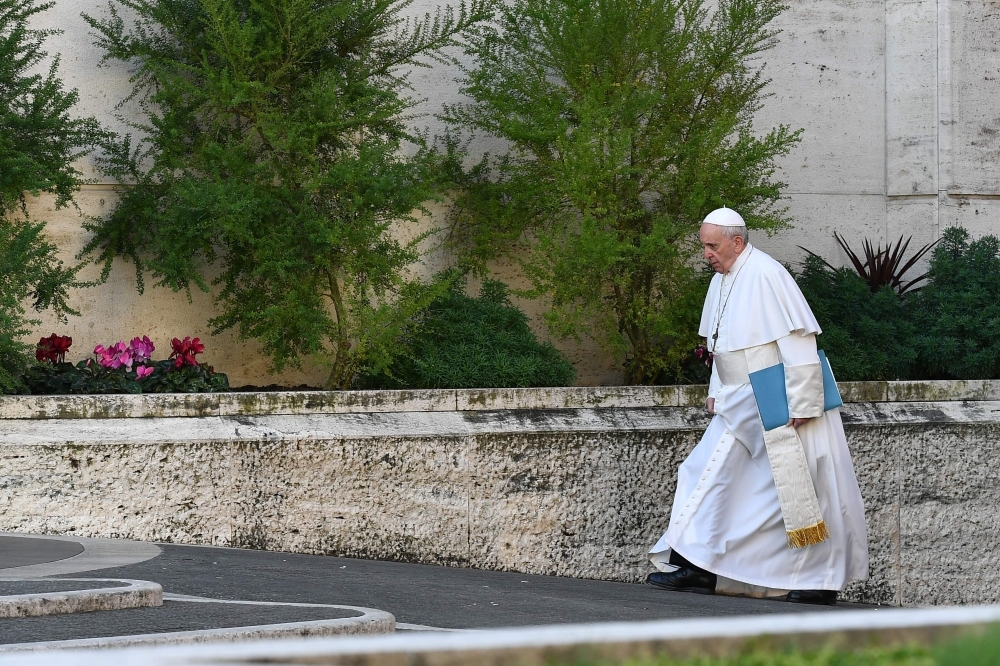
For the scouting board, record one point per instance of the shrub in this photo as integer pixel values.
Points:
(867, 336)
(957, 315)
(39, 143)
(464, 342)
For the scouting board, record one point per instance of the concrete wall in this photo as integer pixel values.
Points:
(571, 482)
(898, 99)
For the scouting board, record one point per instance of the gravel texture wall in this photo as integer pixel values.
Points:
(577, 485)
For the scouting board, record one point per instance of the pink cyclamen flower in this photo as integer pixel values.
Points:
(125, 359)
(114, 356)
(104, 355)
(142, 371)
(142, 348)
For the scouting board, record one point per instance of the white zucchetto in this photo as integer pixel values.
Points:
(724, 217)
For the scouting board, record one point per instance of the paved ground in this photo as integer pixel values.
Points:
(19, 552)
(428, 596)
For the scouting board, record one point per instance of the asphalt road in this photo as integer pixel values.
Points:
(23, 551)
(428, 596)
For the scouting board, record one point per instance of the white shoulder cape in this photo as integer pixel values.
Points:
(765, 304)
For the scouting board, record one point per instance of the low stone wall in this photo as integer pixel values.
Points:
(574, 482)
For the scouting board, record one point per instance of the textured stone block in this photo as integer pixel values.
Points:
(973, 72)
(692, 395)
(949, 522)
(336, 402)
(874, 451)
(911, 40)
(952, 389)
(150, 405)
(576, 504)
(572, 397)
(862, 391)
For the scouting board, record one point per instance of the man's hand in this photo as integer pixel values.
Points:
(795, 423)
(710, 405)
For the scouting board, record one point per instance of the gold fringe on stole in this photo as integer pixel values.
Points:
(808, 536)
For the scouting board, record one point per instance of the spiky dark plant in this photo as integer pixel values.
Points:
(882, 268)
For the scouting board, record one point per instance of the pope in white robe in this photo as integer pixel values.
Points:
(727, 525)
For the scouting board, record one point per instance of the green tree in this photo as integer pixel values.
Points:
(39, 143)
(276, 149)
(628, 121)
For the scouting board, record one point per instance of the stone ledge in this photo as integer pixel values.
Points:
(160, 405)
(131, 594)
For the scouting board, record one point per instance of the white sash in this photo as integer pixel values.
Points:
(804, 524)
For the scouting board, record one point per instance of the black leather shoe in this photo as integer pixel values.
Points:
(684, 580)
(822, 597)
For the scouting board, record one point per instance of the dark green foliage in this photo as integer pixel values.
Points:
(948, 329)
(957, 314)
(867, 336)
(463, 342)
(39, 142)
(277, 150)
(89, 377)
(696, 367)
(628, 121)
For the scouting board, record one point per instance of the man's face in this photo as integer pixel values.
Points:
(718, 249)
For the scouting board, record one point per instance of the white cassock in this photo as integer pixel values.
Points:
(726, 517)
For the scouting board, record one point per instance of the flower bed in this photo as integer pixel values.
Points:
(122, 368)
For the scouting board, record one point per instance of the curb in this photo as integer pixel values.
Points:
(371, 621)
(135, 594)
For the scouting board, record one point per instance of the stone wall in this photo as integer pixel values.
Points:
(570, 482)
(897, 99)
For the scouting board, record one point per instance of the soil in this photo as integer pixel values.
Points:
(273, 388)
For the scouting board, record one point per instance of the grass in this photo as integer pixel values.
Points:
(981, 650)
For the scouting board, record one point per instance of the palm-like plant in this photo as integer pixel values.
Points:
(882, 268)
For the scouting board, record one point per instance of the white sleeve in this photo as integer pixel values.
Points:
(803, 375)
(714, 383)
